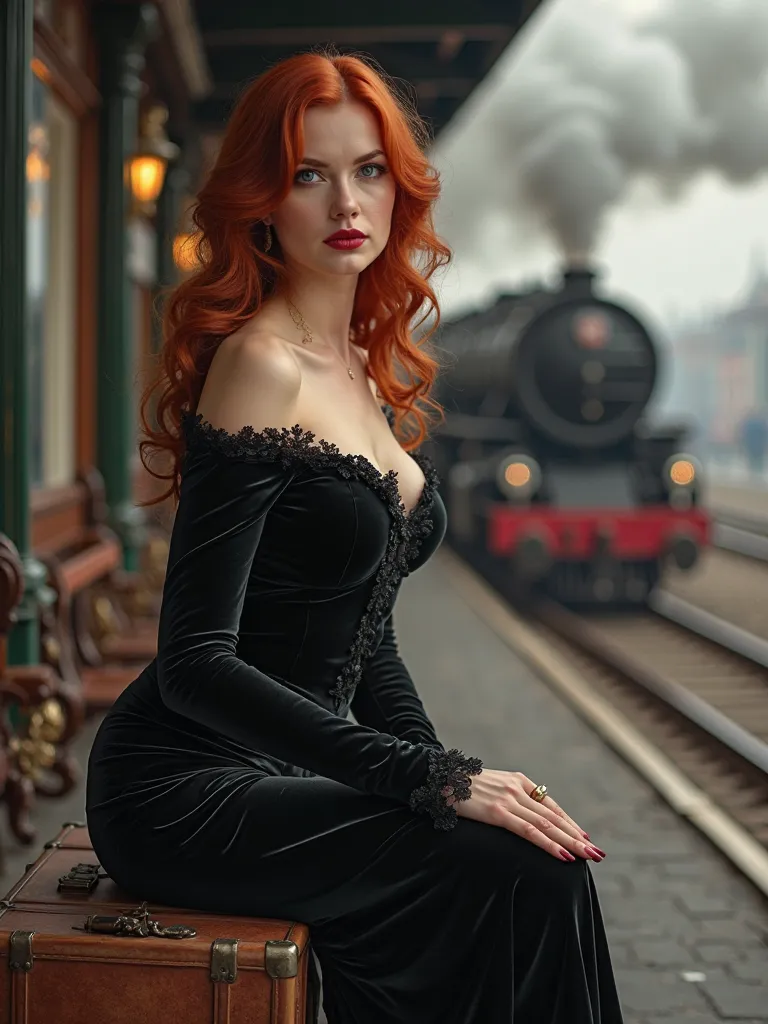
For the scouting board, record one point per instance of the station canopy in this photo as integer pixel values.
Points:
(443, 48)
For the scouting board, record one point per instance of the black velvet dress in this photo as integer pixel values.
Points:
(228, 776)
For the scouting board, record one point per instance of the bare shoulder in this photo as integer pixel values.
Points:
(254, 380)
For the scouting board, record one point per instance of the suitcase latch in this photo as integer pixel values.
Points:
(136, 922)
(82, 878)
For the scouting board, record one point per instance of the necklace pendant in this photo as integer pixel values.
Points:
(352, 376)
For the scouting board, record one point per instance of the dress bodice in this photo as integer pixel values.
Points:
(335, 545)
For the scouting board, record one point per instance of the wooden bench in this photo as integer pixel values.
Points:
(102, 628)
(39, 714)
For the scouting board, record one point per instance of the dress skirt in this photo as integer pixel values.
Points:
(411, 925)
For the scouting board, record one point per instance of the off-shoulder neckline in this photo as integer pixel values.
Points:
(295, 447)
(297, 444)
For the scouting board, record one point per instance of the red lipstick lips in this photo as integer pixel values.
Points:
(346, 239)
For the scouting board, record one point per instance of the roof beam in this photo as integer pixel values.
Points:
(409, 61)
(308, 35)
(213, 112)
(426, 88)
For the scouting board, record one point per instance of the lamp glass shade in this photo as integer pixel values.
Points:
(38, 168)
(146, 173)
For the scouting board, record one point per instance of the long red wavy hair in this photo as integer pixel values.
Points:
(254, 171)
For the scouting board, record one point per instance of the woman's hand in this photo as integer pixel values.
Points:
(501, 798)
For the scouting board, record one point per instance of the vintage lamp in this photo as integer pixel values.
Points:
(146, 169)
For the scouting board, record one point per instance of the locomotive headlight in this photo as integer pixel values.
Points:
(682, 475)
(681, 471)
(518, 476)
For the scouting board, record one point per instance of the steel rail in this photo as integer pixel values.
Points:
(741, 520)
(740, 541)
(725, 634)
(582, 634)
(741, 534)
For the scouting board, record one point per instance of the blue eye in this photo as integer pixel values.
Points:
(301, 181)
(377, 167)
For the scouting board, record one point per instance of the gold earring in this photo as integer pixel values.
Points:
(267, 239)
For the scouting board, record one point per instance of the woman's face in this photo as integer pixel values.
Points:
(342, 184)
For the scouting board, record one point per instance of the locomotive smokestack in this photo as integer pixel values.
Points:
(577, 280)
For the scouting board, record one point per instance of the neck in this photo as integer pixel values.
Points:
(326, 303)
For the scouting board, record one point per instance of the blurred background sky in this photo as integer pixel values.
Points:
(654, 121)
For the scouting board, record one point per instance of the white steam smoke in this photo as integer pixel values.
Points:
(594, 103)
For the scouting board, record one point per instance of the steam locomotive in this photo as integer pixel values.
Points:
(548, 466)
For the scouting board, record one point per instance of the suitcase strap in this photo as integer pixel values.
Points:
(223, 969)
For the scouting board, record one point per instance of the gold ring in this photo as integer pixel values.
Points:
(539, 793)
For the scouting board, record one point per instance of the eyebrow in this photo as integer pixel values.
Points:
(360, 160)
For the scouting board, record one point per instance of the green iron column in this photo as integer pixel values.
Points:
(167, 223)
(16, 28)
(124, 32)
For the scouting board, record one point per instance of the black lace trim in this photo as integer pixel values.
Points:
(446, 768)
(294, 446)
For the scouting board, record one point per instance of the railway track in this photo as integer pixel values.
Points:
(690, 716)
(691, 676)
(705, 707)
(740, 534)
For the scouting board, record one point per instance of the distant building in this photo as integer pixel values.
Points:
(721, 368)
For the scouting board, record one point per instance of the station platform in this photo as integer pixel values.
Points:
(689, 936)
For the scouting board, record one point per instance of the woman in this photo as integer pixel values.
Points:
(228, 776)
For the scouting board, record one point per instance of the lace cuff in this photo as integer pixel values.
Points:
(446, 768)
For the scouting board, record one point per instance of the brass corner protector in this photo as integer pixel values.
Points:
(281, 958)
(20, 953)
(224, 960)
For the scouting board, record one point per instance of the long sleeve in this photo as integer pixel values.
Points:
(218, 526)
(386, 698)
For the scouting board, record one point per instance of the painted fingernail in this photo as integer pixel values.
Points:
(601, 852)
(594, 853)
(585, 834)
(566, 856)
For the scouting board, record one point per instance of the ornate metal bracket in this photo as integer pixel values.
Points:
(135, 922)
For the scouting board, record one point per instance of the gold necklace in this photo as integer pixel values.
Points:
(303, 326)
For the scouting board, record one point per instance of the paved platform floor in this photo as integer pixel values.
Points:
(689, 936)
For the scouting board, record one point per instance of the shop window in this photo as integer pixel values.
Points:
(51, 286)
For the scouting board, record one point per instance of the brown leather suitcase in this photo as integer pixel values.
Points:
(74, 949)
